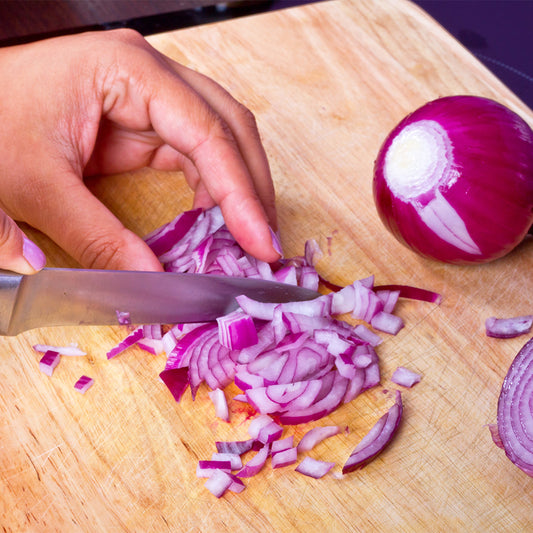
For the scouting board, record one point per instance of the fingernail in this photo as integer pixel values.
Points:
(33, 254)
(276, 243)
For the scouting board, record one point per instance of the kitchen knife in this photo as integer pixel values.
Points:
(63, 296)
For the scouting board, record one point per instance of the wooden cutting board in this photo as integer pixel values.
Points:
(326, 82)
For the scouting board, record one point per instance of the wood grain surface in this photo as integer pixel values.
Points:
(326, 82)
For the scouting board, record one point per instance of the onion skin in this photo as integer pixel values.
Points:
(482, 185)
(515, 410)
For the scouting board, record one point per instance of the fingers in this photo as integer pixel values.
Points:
(17, 252)
(87, 230)
(243, 127)
(218, 158)
(202, 122)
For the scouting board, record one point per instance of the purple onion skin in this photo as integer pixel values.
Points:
(492, 159)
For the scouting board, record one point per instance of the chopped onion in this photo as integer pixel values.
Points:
(235, 447)
(83, 384)
(295, 361)
(218, 483)
(405, 377)
(282, 444)
(377, 439)
(48, 362)
(387, 322)
(221, 405)
(233, 458)
(254, 465)
(314, 468)
(206, 468)
(237, 330)
(454, 180)
(285, 458)
(506, 328)
(123, 318)
(515, 410)
(315, 436)
(130, 340)
(70, 350)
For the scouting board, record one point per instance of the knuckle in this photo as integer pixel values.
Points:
(101, 251)
(247, 117)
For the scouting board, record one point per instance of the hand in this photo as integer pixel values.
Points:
(107, 102)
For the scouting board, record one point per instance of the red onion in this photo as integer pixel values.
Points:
(506, 328)
(254, 465)
(221, 405)
(233, 458)
(377, 439)
(314, 468)
(315, 436)
(515, 410)
(405, 377)
(83, 384)
(48, 362)
(206, 468)
(70, 350)
(285, 458)
(454, 180)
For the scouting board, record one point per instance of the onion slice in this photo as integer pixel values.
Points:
(314, 468)
(515, 410)
(377, 439)
(507, 328)
(315, 436)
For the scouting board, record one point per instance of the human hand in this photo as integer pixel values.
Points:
(107, 102)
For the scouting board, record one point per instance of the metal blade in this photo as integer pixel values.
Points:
(60, 297)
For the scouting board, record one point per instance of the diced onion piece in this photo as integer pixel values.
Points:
(377, 439)
(130, 340)
(218, 483)
(281, 445)
(206, 468)
(405, 377)
(234, 459)
(256, 463)
(123, 318)
(507, 328)
(48, 362)
(387, 322)
(257, 424)
(269, 433)
(314, 468)
(83, 384)
(221, 405)
(176, 380)
(315, 436)
(235, 447)
(284, 458)
(70, 350)
(236, 330)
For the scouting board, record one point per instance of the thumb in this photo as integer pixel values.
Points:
(17, 252)
(87, 230)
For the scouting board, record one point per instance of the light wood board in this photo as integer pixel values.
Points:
(326, 83)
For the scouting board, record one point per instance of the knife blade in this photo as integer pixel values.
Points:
(63, 297)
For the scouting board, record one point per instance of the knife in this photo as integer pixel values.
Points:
(64, 296)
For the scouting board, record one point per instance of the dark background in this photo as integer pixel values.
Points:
(498, 32)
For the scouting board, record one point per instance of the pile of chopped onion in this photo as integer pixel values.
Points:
(294, 362)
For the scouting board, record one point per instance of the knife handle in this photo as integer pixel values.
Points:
(9, 285)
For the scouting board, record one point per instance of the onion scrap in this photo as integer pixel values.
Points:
(295, 361)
